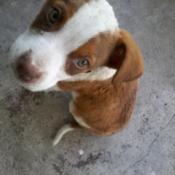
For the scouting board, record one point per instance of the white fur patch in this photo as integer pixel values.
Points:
(91, 19)
(101, 73)
(50, 49)
(64, 130)
(81, 122)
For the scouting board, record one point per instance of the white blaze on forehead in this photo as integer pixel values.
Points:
(91, 19)
(50, 49)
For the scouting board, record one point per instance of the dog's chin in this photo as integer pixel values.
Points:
(39, 86)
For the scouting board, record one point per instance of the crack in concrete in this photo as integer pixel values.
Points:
(150, 146)
(91, 159)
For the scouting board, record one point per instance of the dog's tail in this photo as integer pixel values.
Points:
(64, 130)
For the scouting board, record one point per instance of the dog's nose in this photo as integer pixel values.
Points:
(26, 71)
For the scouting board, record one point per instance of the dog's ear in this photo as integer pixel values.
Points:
(126, 58)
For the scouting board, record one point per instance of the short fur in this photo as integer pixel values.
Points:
(51, 45)
(105, 107)
(104, 91)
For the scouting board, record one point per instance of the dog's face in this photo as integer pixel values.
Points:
(67, 38)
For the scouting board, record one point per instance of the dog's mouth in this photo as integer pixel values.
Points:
(27, 80)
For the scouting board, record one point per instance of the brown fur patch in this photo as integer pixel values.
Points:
(106, 106)
(101, 105)
(127, 58)
(68, 8)
(97, 50)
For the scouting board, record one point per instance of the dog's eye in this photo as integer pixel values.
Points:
(54, 15)
(82, 63)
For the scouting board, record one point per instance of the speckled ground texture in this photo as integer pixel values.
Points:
(28, 121)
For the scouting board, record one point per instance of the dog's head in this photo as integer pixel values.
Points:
(68, 38)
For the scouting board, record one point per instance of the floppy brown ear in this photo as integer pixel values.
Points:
(126, 58)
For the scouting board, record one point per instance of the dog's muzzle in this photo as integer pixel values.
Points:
(25, 70)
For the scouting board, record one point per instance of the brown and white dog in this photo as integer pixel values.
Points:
(77, 46)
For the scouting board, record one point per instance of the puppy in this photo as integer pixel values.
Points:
(77, 46)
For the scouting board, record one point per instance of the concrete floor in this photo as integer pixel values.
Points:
(28, 121)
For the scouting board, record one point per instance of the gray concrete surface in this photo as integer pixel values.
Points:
(28, 121)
